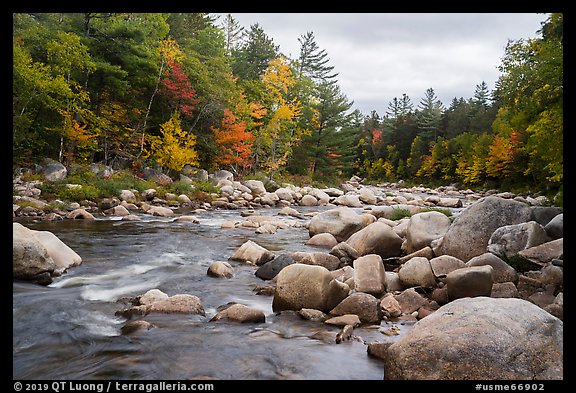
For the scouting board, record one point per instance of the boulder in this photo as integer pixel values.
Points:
(423, 228)
(555, 228)
(367, 196)
(269, 270)
(444, 264)
(480, 339)
(251, 252)
(350, 200)
(306, 286)
(341, 222)
(364, 305)
(256, 187)
(62, 255)
(330, 262)
(369, 275)
(220, 270)
(410, 301)
(53, 170)
(80, 214)
(322, 240)
(417, 272)
(503, 272)
(308, 200)
(390, 307)
(470, 282)
(345, 253)
(30, 259)
(544, 253)
(510, 239)
(38, 255)
(377, 238)
(470, 231)
(240, 313)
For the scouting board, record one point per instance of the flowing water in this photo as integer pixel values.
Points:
(68, 330)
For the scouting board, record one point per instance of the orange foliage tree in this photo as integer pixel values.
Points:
(234, 142)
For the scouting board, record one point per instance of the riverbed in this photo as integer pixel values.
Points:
(69, 330)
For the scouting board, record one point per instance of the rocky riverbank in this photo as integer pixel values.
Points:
(484, 284)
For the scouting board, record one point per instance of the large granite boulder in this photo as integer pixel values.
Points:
(480, 339)
(470, 232)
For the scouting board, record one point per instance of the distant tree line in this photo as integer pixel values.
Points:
(172, 89)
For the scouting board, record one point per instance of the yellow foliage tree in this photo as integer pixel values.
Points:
(175, 147)
(280, 131)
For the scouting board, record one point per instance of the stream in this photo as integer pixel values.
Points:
(68, 330)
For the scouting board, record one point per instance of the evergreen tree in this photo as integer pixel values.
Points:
(429, 117)
(252, 58)
(233, 33)
(312, 61)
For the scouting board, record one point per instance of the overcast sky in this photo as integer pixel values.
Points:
(380, 56)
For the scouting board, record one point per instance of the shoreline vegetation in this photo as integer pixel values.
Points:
(132, 90)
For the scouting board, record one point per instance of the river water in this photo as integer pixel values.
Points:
(68, 330)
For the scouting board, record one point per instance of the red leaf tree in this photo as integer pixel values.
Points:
(177, 88)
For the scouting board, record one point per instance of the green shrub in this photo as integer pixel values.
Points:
(446, 212)
(180, 187)
(400, 213)
(206, 186)
(77, 194)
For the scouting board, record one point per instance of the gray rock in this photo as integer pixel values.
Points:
(341, 222)
(470, 282)
(480, 339)
(308, 200)
(445, 264)
(256, 186)
(543, 215)
(544, 253)
(555, 228)
(80, 214)
(251, 252)
(369, 275)
(364, 305)
(322, 240)
(30, 259)
(470, 231)
(306, 286)
(503, 272)
(53, 170)
(510, 239)
(326, 260)
(377, 238)
(345, 253)
(423, 228)
(270, 269)
(417, 272)
(240, 313)
(220, 270)
(350, 200)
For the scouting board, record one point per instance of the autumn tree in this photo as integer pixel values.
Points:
(234, 142)
(278, 135)
(175, 147)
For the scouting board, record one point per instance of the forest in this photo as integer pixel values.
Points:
(165, 90)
